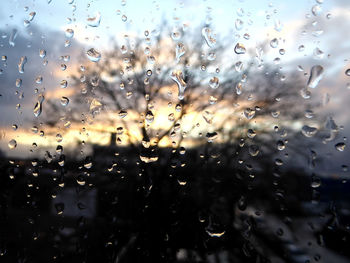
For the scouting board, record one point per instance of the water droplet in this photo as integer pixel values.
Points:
(94, 21)
(211, 136)
(63, 84)
(69, 33)
(38, 106)
(13, 37)
(251, 133)
(21, 63)
(59, 137)
(240, 49)
(347, 72)
(147, 159)
(274, 43)
(177, 76)
(209, 36)
(149, 116)
(318, 53)
(253, 150)
(64, 101)
(249, 113)
(214, 82)
(280, 145)
(179, 51)
(340, 146)
(316, 74)
(239, 24)
(316, 10)
(215, 234)
(95, 107)
(42, 53)
(31, 16)
(12, 144)
(59, 208)
(122, 114)
(18, 83)
(308, 131)
(208, 116)
(93, 55)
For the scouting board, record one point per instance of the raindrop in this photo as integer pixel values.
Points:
(251, 133)
(88, 163)
(208, 116)
(18, 83)
(69, 33)
(94, 21)
(38, 106)
(214, 82)
(42, 53)
(274, 43)
(59, 137)
(93, 55)
(240, 49)
(63, 84)
(347, 72)
(95, 107)
(308, 131)
(211, 136)
(177, 76)
(280, 145)
(316, 10)
(249, 113)
(13, 37)
(31, 16)
(12, 144)
(239, 24)
(239, 66)
(253, 150)
(208, 36)
(21, 63)
(59, 208)
(340, 146)
(149, 116)
(316, 74)
(318, 53)
(122, 114)
(64, 101)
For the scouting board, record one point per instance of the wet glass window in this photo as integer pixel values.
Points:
(174, 131)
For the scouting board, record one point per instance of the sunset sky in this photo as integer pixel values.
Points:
(323, 34)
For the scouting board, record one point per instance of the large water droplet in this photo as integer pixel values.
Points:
(179, 51)
(31, 16)
(177, 76)
(21, 63)
(239, 24)
(214, 82)
(340, 146)
(308, 131)
(316, 74)
(253, 150)
(240, 49)
(13, 37)
(94, 21)
(64, 101)
(69, 33)
(211, 136)
(208, 36)
(249, 113)
(12, 144)
(95, 107)
(38, 106)
(93, 55)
